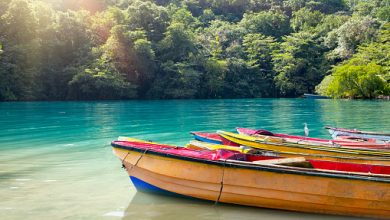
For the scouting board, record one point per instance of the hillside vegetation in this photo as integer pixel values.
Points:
(163, 49)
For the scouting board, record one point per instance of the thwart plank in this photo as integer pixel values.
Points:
(281, 161)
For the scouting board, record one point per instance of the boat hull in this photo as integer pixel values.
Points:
(260, 187)
(314, 96)
(212, 138)
(207, 137)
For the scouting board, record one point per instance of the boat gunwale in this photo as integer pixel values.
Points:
(266, 168)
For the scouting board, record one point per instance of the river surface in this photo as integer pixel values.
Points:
(56, 161)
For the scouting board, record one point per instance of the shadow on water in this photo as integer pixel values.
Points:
(159, 207)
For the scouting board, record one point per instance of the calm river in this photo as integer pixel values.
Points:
(56, 161)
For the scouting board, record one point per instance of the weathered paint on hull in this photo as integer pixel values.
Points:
(295, 192)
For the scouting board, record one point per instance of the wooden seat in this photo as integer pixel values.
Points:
(281, 161)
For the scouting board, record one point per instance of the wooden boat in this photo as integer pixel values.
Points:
(314, 163)
(356, 133)
(227, 177)
(314, 96)
(312, 151)
(212, 138)
(344, 142)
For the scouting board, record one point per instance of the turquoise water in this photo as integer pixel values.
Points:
(56, 162)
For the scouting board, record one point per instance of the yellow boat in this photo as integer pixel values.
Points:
(198, 145)
(311, 151)
(198, 174)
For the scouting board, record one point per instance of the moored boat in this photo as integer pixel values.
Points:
(223, 176)
(312, 151)
(212, 138)
(314, 96)
(383, 136)
(344, 141)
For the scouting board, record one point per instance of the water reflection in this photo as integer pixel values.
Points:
(147, 206)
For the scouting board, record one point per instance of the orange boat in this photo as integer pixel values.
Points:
(227, 177)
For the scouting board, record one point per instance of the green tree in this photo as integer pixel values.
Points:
(365, 75)
(176, 81)
(305, 19)
(267, 23)
(18, 64)
(178, 43)
(349, 36)
(295, 5)
(221, 39)
(185, 17)
(324, 6)
(64, 48)
(207, 16)
(299, 64)
(103, 22)
(213, 78)
(330, 23)
(232, 9)
(102, 81)
(149, 17)
(243, 81)
(383, 13)
(258, 49)
(356, 81)
(327, 6)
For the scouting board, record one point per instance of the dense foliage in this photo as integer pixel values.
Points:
(123, 49)
(366, 74)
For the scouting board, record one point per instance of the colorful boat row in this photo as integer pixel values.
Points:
(347, 141)
(245, 169)
(278, 148)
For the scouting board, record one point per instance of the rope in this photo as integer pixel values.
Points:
(123, 165)
(138, 160)
(220, 190)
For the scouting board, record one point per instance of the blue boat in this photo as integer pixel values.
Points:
(212, 138)
(314, 96)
